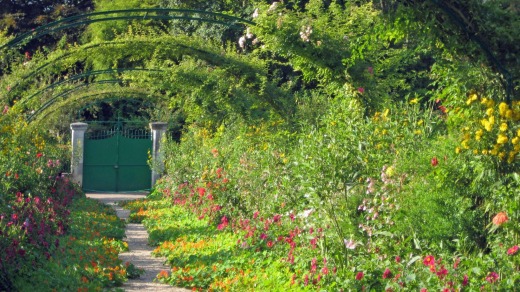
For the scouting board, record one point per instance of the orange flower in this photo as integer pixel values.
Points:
(500, 218)
(162, 274)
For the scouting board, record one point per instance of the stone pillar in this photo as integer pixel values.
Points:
(78, 142)
(158, 131)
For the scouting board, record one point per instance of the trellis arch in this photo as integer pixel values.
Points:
(127, 14)
(89, 97)
(53, 66)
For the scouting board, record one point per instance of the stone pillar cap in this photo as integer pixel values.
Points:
(78, 126)
(159, 126)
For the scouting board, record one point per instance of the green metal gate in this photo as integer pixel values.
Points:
(115, 159)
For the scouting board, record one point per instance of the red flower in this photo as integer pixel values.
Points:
(465, 280)
(359, 276)
(424, 290)
(513, 250)
(387, 273)
(492, 277)
(429, 260)
(500, 218)
(434, 161)
(38, 155)
(442, 272)
(270, 244)
(361, 90)
(397, 259)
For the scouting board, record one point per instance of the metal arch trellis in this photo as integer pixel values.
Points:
(92, 46)
(67, 92)
(143, 14)
(83, 75)
(139, 96)
(90, 96)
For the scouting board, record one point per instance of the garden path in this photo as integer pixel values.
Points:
(140, 253)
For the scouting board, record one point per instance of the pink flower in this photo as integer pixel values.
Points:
(397, 259)
(361, 90)
(325, 271)
(223, 223)
(270, 244)
(263, 236)
(255, 215)
(456, 263)
(429, 260)
(350, 244)
(359, 276)
(313, 265)
(424, 290)
(492, 277)
(387, 273)
(513, 250)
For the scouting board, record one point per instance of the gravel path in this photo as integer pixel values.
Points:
(140, 253)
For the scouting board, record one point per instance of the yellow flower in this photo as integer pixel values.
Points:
(390, 171)
(465, 144)
(475, 151)
(518, 132)
(502, 139)
(501, 155)
(503, 127)
(491, 120)
(417, 132)
(515, 140)
(502, 109)
(457, 150)
(509, 114)
(484, 152)
(478, 134)
(490, 111)
(385, 113)
(490, 103)
(414, 101)
(420, 122)
(472, 98)
(484, 101)
(487, 125)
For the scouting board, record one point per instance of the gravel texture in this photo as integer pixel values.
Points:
(140, 253)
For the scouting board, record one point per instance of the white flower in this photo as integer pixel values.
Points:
(273, 6)
(255, 13)
(350, 244)
(249, 35)
(242, 42)
(307, 213)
